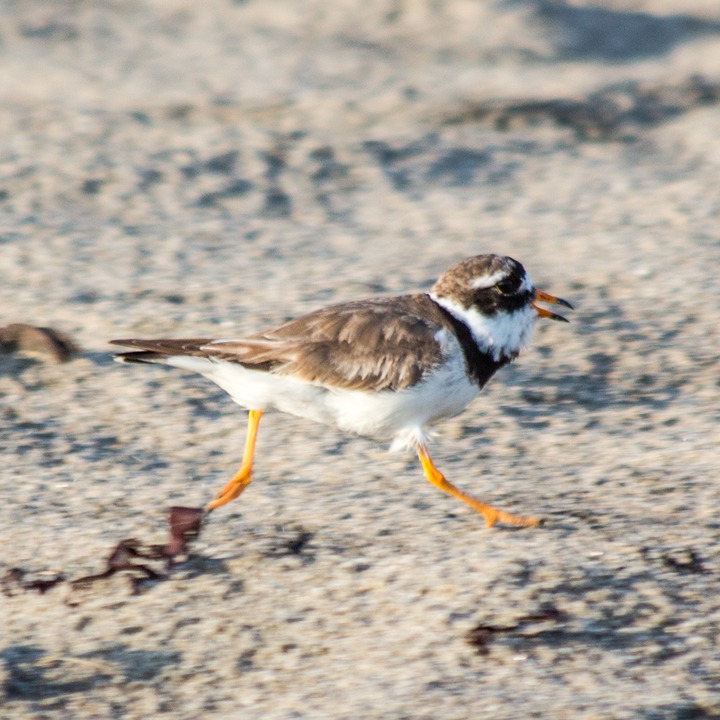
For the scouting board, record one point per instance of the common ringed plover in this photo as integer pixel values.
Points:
(384, 367)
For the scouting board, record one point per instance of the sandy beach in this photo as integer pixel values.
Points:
(177, 169)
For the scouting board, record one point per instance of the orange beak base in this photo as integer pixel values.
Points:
(547, 298)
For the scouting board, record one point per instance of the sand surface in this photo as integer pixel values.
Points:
(174, 168)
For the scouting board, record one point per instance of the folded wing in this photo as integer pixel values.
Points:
(365, 345)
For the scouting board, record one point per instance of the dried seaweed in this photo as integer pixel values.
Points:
(129, 556)
(17, 579)
(482, 635)
(46, 342)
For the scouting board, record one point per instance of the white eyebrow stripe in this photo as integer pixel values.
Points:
(487, 281)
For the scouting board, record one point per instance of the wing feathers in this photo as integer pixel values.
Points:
(381, 344)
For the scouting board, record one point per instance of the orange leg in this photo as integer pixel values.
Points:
(243, 477)
(490, 513)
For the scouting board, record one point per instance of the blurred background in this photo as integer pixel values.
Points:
(172, 168)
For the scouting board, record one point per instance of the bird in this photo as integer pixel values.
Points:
(388, 368)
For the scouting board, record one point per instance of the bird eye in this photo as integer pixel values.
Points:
(505, 287)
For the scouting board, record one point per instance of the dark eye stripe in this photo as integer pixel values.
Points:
(517, 301)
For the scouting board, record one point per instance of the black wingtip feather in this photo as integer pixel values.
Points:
(141, 356)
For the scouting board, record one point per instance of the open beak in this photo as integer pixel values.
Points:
(547, 298)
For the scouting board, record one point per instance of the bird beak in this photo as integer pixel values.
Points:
(547, 298)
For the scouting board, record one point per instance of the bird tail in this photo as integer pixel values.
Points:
(163, 351)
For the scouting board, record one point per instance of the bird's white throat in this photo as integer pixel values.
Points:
(502, 335)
